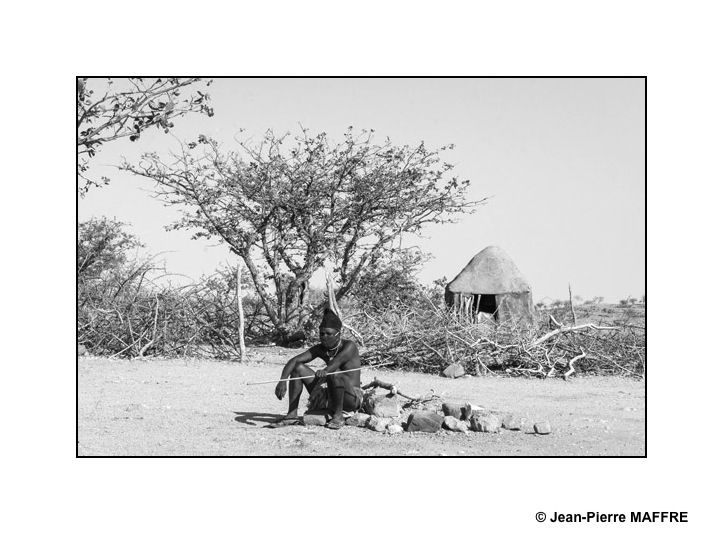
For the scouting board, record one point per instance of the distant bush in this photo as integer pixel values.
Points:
(103, 245)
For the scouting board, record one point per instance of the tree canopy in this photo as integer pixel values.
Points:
(111, 109)
(288, 204)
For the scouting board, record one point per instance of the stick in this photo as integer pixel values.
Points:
(241, 315)
(570, 329)
(570, 365)
(377, 383)
(312, 376)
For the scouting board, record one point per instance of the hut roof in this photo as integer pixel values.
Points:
(489, 272)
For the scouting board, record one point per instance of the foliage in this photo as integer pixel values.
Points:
(113, 109)
(297, 203)
(436, 292)
(102, 245)
(392, 280)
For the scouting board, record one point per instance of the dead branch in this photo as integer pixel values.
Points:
(570, 365)
(377, 383)
(570, 329)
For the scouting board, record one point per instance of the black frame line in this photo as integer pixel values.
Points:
(77, 217)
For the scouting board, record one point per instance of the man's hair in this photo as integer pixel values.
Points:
(331, 320)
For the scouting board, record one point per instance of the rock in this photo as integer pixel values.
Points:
(394, 429)
(512, 422)
(542, 428)
(428, 422)
(377, 424)
(485, 423)
(358, 420)
(453, 424)
(314, 419)
(468, 410)
(452, 409)
(453, 371)
(382, 406)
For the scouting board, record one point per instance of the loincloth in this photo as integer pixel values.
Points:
(320, 399)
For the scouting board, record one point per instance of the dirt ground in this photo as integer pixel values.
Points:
(200, 407)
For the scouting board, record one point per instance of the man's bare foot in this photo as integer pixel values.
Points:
(336, 423)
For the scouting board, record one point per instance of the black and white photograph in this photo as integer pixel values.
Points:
(359, 269)
(361, 266)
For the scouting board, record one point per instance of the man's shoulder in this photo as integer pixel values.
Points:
(349, 343)
(350, 346)
(316, 350)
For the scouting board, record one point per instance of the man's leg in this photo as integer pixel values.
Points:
(296, 387)
(342, 397)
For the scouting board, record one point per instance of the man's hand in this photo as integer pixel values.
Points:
(321, 375)
(281, 389)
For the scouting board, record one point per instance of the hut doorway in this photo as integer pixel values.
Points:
(485, 303)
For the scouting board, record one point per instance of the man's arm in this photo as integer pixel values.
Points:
(302, 358)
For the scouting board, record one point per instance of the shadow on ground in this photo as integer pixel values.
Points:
(251, 418)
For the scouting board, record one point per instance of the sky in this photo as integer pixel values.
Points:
(561, 160)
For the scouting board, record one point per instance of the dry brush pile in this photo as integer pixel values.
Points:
(431, 338)
(134, 313)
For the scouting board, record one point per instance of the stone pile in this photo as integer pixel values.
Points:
(384, 414)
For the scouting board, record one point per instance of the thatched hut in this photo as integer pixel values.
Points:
(492, 284)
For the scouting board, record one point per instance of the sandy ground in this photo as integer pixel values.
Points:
(196, 407)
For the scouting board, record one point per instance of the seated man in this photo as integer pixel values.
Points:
(343, 391)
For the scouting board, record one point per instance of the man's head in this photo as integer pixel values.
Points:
(330, 327)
